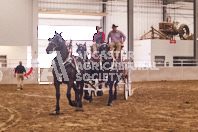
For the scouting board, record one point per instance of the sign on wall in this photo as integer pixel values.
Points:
(172, 41)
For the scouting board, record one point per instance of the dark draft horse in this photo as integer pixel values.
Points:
(113, 68)
(57, 43)
(93, 70)
(109, 66)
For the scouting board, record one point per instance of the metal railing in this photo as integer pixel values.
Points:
(167, 63)
(10, 63)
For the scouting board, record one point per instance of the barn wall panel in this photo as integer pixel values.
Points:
(8, 76)
(190, 73)
(16, 22)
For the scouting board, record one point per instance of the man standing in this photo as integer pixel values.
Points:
(98, 39)
(117, 40)
(20, 69)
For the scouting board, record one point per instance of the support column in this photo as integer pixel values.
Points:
(196, 29)
(130, 24)
(164, 10)
(34, 33)
(104, 9)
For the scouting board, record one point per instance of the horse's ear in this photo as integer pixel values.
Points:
(77, 44)
(56, 33)
(61, 34)
(85, 44)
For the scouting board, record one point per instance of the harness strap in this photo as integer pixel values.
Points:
(69, 61)
(68, 58)
(76, 65)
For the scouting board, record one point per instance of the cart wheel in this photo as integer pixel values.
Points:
(126, 90)
(129, 89)
(129, 82)
(184, 32)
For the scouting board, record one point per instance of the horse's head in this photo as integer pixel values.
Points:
(81, 48)
(56, 43)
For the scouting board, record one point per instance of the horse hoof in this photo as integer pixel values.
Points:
(115, 98)
(79, 105)
(90, 100)
(109, 104)
(87, 98)
(79, 110)
(99, 93)
(57, 112)
(73, 103)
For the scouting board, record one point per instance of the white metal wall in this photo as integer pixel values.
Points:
(16, 22)
(14, 54)
(18, 26)
(165, 74)
(69, 20)
(117, 14)
(71, 5)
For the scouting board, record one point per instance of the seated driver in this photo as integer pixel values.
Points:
(117, 40)
(98, 39)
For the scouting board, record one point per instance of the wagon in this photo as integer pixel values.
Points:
(124, 85)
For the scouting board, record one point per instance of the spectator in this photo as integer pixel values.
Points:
(98, 39)
(20, 70)
(117, 40)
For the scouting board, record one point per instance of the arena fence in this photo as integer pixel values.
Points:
(144, 74)
(44, 75)
(7, 76)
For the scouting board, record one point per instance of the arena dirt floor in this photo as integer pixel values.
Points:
(154, 106)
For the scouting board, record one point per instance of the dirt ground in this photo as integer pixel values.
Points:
(154, 106)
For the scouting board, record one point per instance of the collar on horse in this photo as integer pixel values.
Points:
(69, 61)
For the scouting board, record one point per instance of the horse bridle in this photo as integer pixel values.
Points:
(60, 39)
(51, 42)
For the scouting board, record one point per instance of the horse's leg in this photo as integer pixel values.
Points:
(86, 96)
(81, 94)
(110, 93)
(57, 86)
(100, 93)
(70, 84)
(115, 92)
(90, 97)
(76, 89)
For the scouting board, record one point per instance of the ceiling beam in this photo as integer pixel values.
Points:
(74, 13)
(173, 1)
(104, 20)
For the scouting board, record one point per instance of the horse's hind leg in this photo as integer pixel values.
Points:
(115, 92)
(100, 93)
(72, 103)
(81, 94)
(76, 89)
(86, 96)
(57, 86)
(110, 93)
(77, 95)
